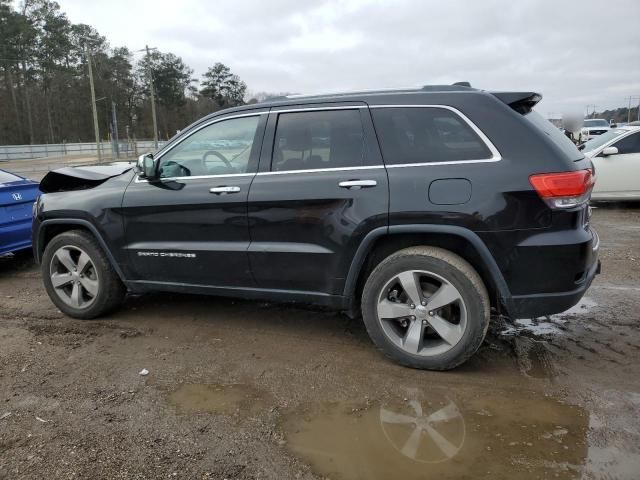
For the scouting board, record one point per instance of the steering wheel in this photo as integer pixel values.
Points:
(219, 155)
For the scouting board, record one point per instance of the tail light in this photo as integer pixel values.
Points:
(564, 189)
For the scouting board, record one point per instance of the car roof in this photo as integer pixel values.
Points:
(369, 96)
(420, 95)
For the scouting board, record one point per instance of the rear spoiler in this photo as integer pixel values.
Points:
(521, 102)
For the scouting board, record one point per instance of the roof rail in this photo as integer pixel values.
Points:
(462, 84)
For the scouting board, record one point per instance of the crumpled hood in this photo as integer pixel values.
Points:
(83, 177)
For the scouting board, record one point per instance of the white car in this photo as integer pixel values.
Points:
(616, 160)
(594, 127)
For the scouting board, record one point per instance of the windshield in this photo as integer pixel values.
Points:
(6, 177)
(596, 123)
(603, 139)
(555, 134)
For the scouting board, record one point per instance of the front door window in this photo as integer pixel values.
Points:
(221, 148)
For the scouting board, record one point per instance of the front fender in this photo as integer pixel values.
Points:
(40, 230)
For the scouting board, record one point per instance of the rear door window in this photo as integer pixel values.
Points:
(317, 140)
(423, 135)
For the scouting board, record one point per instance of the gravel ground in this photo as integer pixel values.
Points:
(240, 389)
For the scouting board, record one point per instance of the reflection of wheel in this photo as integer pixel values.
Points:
(78, 276)
(429, 437)
(426, 307)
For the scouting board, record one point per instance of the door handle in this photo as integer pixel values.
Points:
(223, 190)
(358, 184)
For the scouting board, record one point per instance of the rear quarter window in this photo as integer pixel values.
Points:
(424, 135)
(556, 135)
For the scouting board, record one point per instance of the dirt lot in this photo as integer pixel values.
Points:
(253, 390)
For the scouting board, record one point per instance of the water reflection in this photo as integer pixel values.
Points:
(442, 435)
(424, 436)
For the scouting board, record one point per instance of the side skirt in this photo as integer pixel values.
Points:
(334, 302)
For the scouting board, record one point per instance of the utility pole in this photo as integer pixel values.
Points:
(631, 99)
(153, 101)
(114, 126)
(93, 104)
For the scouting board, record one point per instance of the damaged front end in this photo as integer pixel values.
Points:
(82, 178)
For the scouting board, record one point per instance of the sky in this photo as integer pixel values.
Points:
(576, 53)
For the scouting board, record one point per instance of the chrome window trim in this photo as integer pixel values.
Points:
(496, 156)
(450, 162)
(195, 177)
(495, 153)
(316, 170)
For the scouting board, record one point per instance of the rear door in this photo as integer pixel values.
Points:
(190, 225)
(320, 189)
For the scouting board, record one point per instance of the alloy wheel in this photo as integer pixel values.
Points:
(74, 276)
(422, 313)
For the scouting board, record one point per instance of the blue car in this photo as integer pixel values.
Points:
(17, 195)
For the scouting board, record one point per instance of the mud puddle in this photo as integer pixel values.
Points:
(442, 435)
(218, 399)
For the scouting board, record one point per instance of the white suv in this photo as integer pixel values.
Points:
(594, 127)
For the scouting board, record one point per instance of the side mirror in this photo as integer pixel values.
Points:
(610, 151)
(146, 165)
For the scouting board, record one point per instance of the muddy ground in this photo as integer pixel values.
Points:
(253, 390)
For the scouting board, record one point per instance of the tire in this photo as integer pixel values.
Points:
(90, 290)
(415, 335)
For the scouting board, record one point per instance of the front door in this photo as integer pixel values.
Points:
(320, 189)
(190, 225)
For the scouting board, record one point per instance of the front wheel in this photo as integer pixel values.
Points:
(426, 307)
(78, 276)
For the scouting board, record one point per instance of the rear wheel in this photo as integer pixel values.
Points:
(426, 307)
(78, 276)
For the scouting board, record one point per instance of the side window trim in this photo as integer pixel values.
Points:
(256, 144)
(495, 153)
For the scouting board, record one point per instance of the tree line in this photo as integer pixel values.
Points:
(44, 82)
(618, 115)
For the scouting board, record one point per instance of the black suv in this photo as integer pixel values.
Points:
(422, 209)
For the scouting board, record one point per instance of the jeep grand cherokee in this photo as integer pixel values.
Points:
(422, 209)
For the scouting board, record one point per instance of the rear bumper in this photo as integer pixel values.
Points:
(536, 305)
